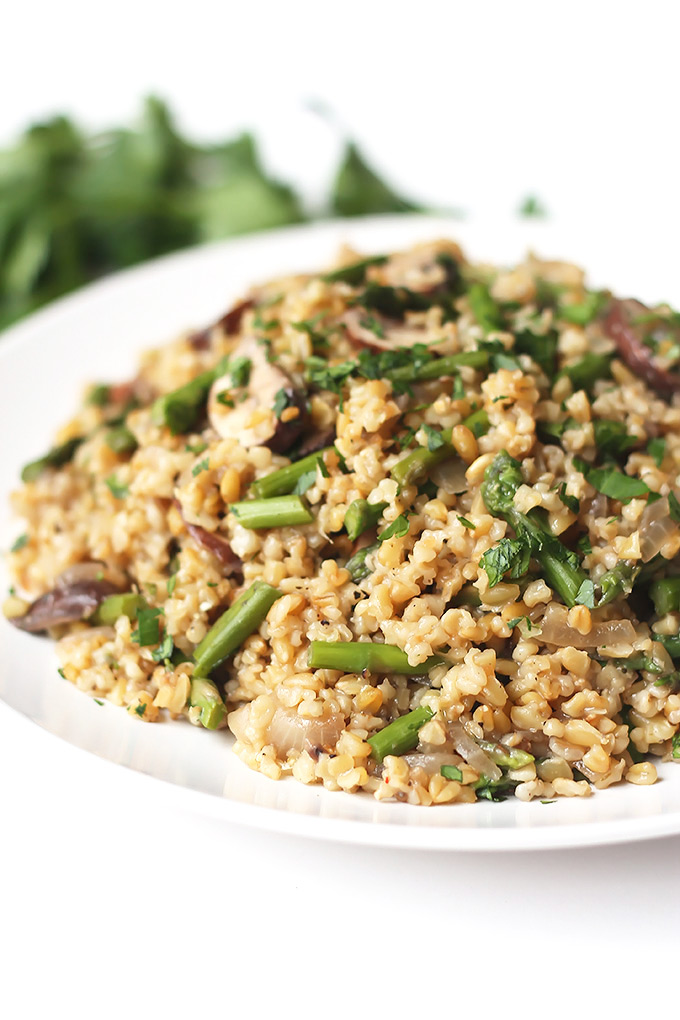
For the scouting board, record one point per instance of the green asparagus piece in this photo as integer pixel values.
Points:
(401, 735)
(56, 457)
(506, 757)
(439, 367)
(362, 515)
(671, 644)
(354, 273)
(180, 409)
(203, 694)
(356, 656)
(477, 422)
(283, 481)
(665, 594)
(121, 440)
(234, 626)
(275, 512)
(415, 467)
(114, 606)
(358, 569)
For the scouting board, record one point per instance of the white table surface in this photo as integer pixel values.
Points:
(114, 900)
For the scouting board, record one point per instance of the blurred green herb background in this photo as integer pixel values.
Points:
(74, 206)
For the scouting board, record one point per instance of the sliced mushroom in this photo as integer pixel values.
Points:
(252, 419)
(316, 441)
(619, 326)
(66, 603)
(426, 268)
(229, 323)
(378, 332)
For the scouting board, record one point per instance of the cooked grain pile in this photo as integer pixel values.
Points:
(407, 527)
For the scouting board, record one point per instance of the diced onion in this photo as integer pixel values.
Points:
(471, 752)
(450, 475)
(288, 731)
(556, 631)
(656, 527)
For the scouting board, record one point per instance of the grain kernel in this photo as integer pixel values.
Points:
(642, 774)
(230, 485)
(464, 443)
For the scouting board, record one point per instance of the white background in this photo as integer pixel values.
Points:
(114, 902)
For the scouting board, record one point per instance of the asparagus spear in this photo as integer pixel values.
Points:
(180, 409)
(275, 512)
(357, 566)
(204, 695)
(439, 367)
(283, 481)
(357, 656)
(665, 594)
(415, 467)
(234, 626)
(56, 457)
(362, 515)
(114, 606)
(506, 757)
(401, 735)
(121, 440)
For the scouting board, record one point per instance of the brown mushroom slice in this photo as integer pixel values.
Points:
(252, 419)
(66, 603)
(229, 323)
(423, 268)
(318, 440)
(218, 546)
(361, 327)
(619, 325)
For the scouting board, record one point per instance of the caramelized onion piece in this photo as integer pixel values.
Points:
(618, 325)
(656, 527)
(468, 748)
(555, 630)
(66, 603)
(289, 732)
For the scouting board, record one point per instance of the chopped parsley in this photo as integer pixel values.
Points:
(585, 596)
(435, 439)
(674, 506)
(532, 206)
(99, 396)
(355, 272)
(510, 555)
(675, 746)
(612, 482)
(118, 489)
(466, 523)
(20, 543)
(397, 529)
(451, 772)
(570, 502)
(282, 400)
(372, 324)
(305, 482)
(202, 465)
(164, 650)
(517, 620)
(98, 701)
(147, 631)
(140, 710)
(197, 447)
(61, 673)
(224, 399)
(170, 587)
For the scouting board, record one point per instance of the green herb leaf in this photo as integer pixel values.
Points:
(170, 587)
(358, 191)
(164, 650)
(304, 482)
(20, 543)
(239, 371)
(282, 400)
(435, 439)
(466, 523)
(510, 555)
(147, 631)
(355, 272)
(117, 489)
(202, 465)
(451, 772)
(611, 482)
(586, 594)
(397, 529)
(674, 507)
(532, 206)
(571, 502)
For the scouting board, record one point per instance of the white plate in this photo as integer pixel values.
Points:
(97, 334)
